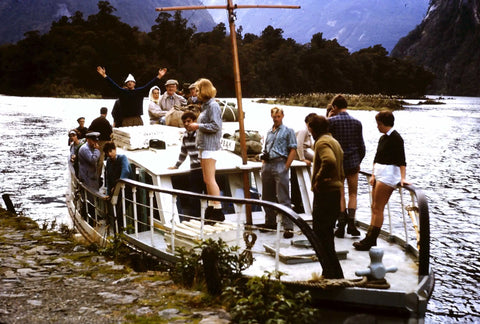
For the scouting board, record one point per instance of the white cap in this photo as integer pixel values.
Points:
(171, 81)
(130, 78)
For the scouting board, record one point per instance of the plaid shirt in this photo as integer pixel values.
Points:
(348, 132)
(189, 148)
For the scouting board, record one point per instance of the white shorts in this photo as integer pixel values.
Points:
(387, 174)
(214, 155)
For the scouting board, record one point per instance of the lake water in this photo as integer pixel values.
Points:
(443, 158)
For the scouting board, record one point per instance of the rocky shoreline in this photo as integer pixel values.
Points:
(46, 277)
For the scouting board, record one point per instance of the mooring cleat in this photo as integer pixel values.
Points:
(376, 270)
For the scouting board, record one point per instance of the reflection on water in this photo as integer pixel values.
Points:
(443, 158)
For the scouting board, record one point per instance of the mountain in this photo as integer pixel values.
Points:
(447, 43)
(356, 24)
(20, 16)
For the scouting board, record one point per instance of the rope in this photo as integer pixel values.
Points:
(231, 110)
(324, 284)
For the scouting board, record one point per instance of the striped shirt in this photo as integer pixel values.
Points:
(189, 148)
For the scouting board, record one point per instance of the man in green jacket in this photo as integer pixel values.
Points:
(327, 182)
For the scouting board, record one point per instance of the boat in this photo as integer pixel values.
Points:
(395, 277)
(145, 210)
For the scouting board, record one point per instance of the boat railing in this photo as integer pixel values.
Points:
(124, 186)
(144, 217)
(91, 205)
(414, 213)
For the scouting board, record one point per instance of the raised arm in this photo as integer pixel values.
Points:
(161, 73)
(101, 71)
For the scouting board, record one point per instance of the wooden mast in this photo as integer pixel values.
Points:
(230, 7)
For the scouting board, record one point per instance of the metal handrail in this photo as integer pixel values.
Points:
(424, 222)
(283, 210)
(422, 205)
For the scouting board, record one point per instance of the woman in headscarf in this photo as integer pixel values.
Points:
(154, 110)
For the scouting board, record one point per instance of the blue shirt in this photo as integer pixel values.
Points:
(118, 169)
(87, 161)
(280, 142)
(348, 132)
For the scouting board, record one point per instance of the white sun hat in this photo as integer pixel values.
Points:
(130, 78)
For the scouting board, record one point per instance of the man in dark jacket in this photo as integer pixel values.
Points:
(131, 98)
(102, 126)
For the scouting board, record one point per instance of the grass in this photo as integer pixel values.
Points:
(355, 101)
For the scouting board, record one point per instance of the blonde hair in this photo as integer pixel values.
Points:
(205, 89)
(276, 110)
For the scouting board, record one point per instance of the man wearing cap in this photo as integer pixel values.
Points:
(88, 156)
(170, 98)
(192, 97)
(101, 125)
(131, 98)
(81, 129)
(75, 145)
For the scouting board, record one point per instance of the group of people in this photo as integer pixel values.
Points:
(201, 141)
(128, 108)
(88, 152)
(336, 152)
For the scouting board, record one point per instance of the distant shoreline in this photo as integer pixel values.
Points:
(355, 101)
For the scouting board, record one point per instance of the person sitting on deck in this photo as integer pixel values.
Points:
(195, 178)
(170, 98)
(155, 112)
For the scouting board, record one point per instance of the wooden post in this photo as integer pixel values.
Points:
(8, 203)
(230, 7)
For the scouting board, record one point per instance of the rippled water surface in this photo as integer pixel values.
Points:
(443, 158)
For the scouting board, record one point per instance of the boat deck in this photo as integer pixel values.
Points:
(405, 279)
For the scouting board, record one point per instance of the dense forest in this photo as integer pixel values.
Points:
(63, 61)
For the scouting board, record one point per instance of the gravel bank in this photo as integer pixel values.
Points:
(47, 278)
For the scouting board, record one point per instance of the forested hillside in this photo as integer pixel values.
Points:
(447, 43)
(63, 61)
(20, 16)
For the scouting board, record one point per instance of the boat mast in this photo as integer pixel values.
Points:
(230, 7)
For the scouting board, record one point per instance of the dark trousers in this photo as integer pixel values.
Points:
(326, 207)
(191, 182)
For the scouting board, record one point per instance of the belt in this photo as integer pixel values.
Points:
(278, 159)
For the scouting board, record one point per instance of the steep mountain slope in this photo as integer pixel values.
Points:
(447, 43)
(355, 23)
(20, 16)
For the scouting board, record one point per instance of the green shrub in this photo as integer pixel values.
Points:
(267, 300)
(188, 271)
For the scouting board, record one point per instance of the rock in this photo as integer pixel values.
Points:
(79, 248)
(116, 299)
(35, 302)
(69, 284)
(24, 271)
(143, 311)
(168, 313)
